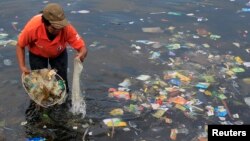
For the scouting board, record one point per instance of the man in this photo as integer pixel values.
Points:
(46, 35)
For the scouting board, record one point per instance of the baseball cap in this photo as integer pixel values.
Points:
(54, 13)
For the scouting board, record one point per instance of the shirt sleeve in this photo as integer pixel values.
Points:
(73, 38)
(24, 38)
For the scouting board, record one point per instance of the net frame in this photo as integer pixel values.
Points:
(58, 101)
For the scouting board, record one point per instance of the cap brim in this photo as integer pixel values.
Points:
(59, 24)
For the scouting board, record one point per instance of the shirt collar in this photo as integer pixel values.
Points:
(43, 34)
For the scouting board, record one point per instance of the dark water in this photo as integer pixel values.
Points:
(110, 29)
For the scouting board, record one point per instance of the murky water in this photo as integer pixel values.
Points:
(112, 29)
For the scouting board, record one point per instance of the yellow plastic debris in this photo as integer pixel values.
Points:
(246, 80)
(159, 113)
(182, 77)
(230, 73)
(114, 122)
(239, 60)
(207, 93)
(182, 108)
(116, 112)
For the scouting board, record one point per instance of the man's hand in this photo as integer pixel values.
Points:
(25, 70)
(79, 56)
(82, 53)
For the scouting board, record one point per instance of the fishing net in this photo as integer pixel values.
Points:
(45, 87)
(78, 102)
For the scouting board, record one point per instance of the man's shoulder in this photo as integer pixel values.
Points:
(69, 29)
(34, 22)
(37, 17)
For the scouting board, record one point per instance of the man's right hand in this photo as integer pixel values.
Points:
(25, 70)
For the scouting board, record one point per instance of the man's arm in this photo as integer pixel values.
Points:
(21, 59)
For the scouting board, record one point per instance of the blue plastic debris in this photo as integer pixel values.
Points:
(245, 9)
(36, 139)
(171, 53)
(155, 55)
(151, 99)
(202, 85)
(220, 111)
(175, 81)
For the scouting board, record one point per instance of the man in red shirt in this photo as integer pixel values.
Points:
(47, 35)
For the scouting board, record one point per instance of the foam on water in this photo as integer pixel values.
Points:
(78, 105)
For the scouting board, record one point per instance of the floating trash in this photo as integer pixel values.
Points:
(175, 81)
(202, 32)
(215, 37)
(152, 30)
(80, 12)
(116, 122)
(155, 55)
(7, 62)
(120, 95)
(246, 64)
(220, 111)
(126, 83)
(24, 123)
(3, 35)
(173, 46)
(238, 69)
(245, 9)
(236, 44)
(246, 80)
(174, 13)
(116, 112)
(8, 42)
(202, 85)
(147, 42)
(36, 139)
(247, 100)
(143, 77)
(201, 19)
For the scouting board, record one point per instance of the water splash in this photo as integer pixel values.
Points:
(78, 102)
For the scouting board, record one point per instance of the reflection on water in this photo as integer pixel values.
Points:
(199, 39)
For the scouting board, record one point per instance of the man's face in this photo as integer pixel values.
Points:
(52, 30)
